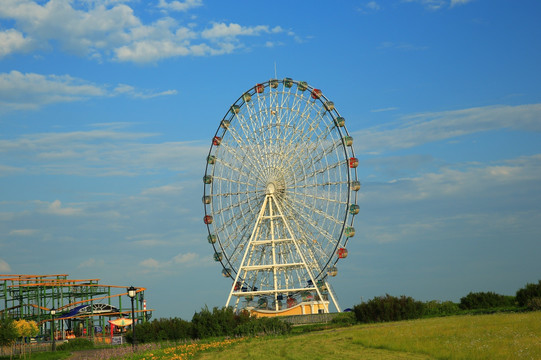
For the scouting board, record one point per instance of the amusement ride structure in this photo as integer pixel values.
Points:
(81, 307)
(280, 198)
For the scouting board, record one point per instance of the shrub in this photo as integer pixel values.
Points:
(389, 308)
(8, 332)
(76, 344)
(438, 308)
(485, 300)
(534, 304)
(528, 292)
(172, 329)
(219, 322)
(344, 318)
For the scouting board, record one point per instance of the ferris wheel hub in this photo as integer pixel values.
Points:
(271, 188)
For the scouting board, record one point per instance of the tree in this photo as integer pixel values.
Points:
(529, 292)
(485, 300)
(25, 329)
(8, 332)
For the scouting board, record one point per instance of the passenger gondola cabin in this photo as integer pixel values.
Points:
(288, 82)
(340, 121)
(218, 256)
(235, 109)
(259, 88)
(207, 179)
(353, 162)
(216, 141)
(329, 105)
(333, 271)
(226, 272)
(208, 219)
(342, 253)
(316, 94)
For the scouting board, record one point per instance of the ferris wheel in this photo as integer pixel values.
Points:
(280, 196)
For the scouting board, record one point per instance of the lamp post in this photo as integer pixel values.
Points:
(53, 312)
(131, 294)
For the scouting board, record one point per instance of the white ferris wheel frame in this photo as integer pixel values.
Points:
(280, 193)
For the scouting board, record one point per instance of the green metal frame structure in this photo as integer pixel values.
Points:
(82, 306)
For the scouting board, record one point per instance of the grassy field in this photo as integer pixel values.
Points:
(498, 336)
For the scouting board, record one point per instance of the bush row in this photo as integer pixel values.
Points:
(390, 308)
(206, 324)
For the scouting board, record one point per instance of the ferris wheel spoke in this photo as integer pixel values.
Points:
(233, 194)
(300, 164)
(233, 181)
(248, 156)
(234, 170)
(319, 212)
(316, 225)
(230, 207)
(255, 117)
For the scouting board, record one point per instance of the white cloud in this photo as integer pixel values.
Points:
(12, 41)
(56, 208)
(185, 258)
(424, 128)
(438, 4)
(80, 31)
(112, 30)
(29, 91)
(372, 5)
(455, 201)
(101, 152)
(164, 190)
(92, 263)
(123, 89)
(151, 263)
(459, 2)
(179, 5)
(23, 232)
(20, 91)
(179, 259)
(4, 266)
(221, 30)
(384, 109)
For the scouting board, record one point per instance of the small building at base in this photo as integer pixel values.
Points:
(303, 308)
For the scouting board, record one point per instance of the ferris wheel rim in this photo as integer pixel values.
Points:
(227, 262)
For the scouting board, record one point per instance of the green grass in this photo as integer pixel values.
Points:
(47, 355)
(496, 336)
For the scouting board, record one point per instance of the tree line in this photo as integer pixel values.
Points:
(391, 308)
(218, 322)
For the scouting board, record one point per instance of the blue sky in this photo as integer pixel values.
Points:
(107, 109)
